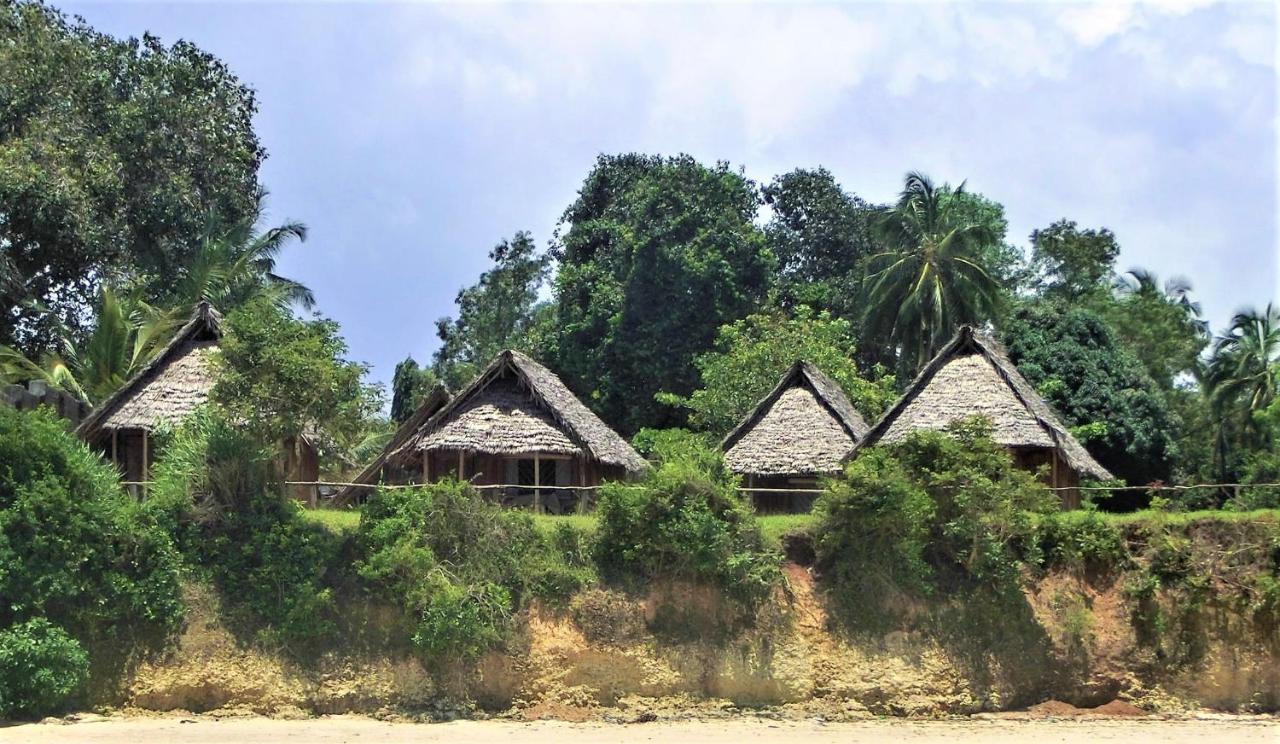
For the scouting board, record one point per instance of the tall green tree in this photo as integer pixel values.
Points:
(821, 236)
(931, 277)
(235, 262)
(656, 254)
(494, 314)
(1071, 264)
(1242, 378)
(282, 376)
(1160, 324)
(1101, 390)
(111, 154)
(752, 354)
(409, 386)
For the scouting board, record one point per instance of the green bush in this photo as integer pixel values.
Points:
(685, 520)
(74, 549)
(935, 508)
(1083, 539)
(41, 669)
(873, 529)
(461, 565)
(220, 493)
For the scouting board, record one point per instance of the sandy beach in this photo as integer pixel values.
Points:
(203, 730)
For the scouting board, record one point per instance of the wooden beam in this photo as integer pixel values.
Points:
(426, 467)
(115, 443)
(537, 483)
(462, 465)
(146, 466)
(581, 462)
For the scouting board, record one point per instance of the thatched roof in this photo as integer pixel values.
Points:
(174, 383)
(972, 376)
(804, 426)
(429, 406)
(518, 407)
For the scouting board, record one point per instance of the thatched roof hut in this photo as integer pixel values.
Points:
(375, 472)
(518, 427)
(972, 376)
(176, 381)
(805, 426)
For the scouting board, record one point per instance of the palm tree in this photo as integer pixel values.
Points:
(235, 263)
(1140, 282)
(127, 333)
(930, 279)
(1245, 367)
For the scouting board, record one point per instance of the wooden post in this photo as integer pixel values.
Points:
(146, 466)
(426, 467)
(751, 495)
(537, 483)
(462, 465)
(115, 456)
(582, 481)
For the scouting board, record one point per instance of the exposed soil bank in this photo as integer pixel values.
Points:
(346, 729)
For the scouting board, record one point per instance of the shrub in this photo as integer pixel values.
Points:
(685, 521)
(938, 506)
(220, 493)
(41, 668)
(461, 565)
(1083, 539)
(73, 548)
(872, 529)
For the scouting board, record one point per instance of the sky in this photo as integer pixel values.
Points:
(411, 138)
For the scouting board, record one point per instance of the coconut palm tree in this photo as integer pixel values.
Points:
(1245, 368)
(236, 263)
(126, 334)
(930, 278)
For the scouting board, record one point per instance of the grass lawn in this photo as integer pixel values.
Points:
(338, 521)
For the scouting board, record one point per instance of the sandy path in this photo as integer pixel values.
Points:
(344, 729)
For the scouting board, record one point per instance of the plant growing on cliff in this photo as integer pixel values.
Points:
(685, 520)
(460, 565)
(41, 668)
(936, 509)
(73, 548)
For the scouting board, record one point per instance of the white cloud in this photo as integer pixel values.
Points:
(1094, 23)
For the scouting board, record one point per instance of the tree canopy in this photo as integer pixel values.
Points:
(112, 154)
(655, 255)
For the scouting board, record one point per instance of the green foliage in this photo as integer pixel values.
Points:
(933, 274)
(937, 509)
(1161, 327)
(655, 255)
(1083, 539)
(410, 385)
(41, 669)
(460, 565)
(1071, 264)
(73, 548)
(220, 493)
(497, 313)
(235, 263)
(821, 237)
(283, 376)
(126, 334)
(1097, 380)
(113, 153)
(655, 443)
(872, 531)
(753, 353)
(685, 520)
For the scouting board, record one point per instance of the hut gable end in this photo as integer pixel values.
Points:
(518, 406)
(804, 426)
(972, 376)
(174, 383)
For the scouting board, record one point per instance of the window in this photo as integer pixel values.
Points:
(524, 472)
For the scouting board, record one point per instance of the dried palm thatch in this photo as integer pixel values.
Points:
(972, 376)
(804, 426)
(172, 385)
(372, 473)
(518, 407)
